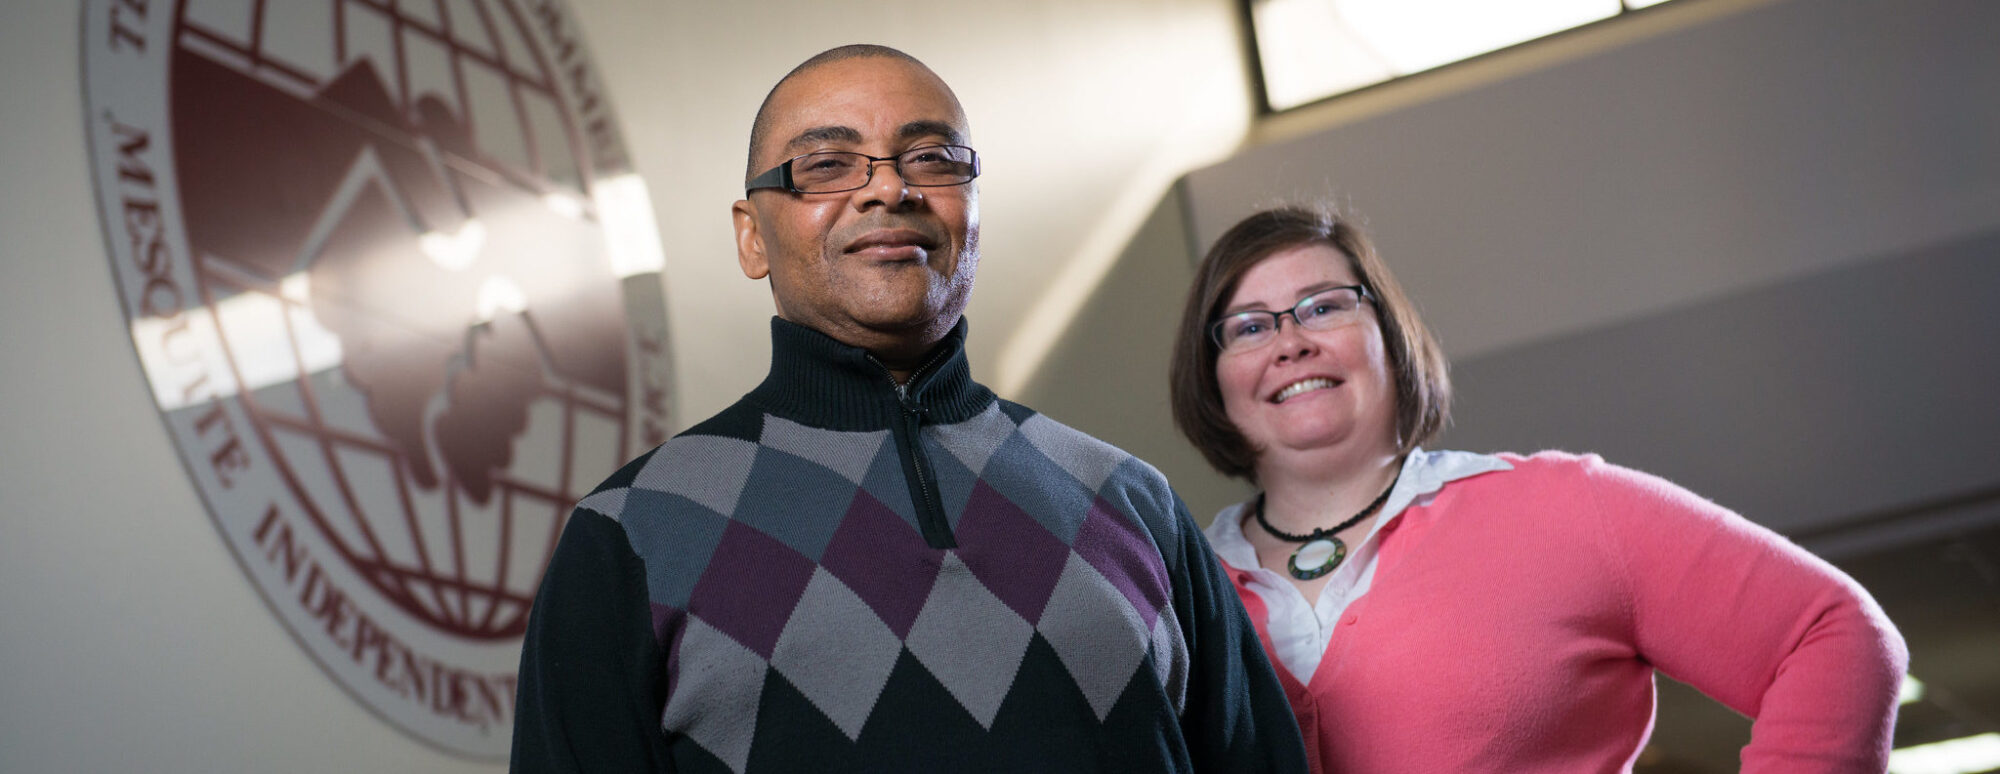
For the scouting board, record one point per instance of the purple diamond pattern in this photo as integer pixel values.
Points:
(750, 587)
(883, 561)
(1009, 551)
(1115, 547)
(829, 581)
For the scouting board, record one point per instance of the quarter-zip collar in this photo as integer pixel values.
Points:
(819, 381)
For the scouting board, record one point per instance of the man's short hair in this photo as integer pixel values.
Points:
(1416, 362)
(762, 125)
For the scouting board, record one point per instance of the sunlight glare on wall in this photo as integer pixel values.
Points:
(629, 226)
(274, 339)
(1911, 692)
(1967, 755)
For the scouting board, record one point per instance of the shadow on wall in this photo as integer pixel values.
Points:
(1843, 397)
(1108, 374)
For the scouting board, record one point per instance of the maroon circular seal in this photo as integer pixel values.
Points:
(396, 293)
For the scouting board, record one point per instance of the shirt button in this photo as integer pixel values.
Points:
(1350, 619)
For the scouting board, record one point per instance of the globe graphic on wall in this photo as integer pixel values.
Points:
(391, 214)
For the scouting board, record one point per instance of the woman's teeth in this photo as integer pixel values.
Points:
(1301, 387)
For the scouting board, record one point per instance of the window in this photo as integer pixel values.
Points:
(1309, 50)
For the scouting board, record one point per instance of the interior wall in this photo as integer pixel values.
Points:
(1083, 113)
(1753, 254)
(1843, 397)
(1108, 376)
(1785, 139)
(133, 642)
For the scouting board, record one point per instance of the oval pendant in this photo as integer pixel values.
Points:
(1316, 558)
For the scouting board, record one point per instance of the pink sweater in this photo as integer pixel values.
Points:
(1516, 619)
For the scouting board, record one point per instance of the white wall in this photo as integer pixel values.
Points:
(134, 643)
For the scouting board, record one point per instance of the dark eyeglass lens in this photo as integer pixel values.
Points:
(937, 165)
(821, 171)
(845, 171)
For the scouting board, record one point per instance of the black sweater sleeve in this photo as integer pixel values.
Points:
(1237, 717)
(593, 679)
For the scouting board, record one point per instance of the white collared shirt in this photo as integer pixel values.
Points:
(1300, 629)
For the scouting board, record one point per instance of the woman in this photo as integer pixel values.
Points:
(1448, 611)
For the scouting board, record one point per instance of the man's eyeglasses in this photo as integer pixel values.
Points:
(837, 171)
(1325, 310)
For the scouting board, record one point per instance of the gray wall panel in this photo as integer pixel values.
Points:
(1783, 140)
(1802, 405)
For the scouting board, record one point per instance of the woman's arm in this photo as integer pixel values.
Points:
(1755, 622)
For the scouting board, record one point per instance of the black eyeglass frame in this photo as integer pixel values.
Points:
(780, 176)
(1215, 326)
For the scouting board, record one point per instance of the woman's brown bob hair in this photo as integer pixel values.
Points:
(1423, 386)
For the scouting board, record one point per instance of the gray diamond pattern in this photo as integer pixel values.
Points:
(847, 454)
(716, 694)
(1090, 460)
(837, 652)
(973, 441)
(707, 469)
(610, 502)
(833, 647)
(970, 640)
(1170, 657)
(1098, 636)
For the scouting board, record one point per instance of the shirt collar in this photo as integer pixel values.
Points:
(820, 381)
(1423, 473)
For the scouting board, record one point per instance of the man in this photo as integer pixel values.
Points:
(871, 563)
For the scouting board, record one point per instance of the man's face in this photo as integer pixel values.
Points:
(887, 267)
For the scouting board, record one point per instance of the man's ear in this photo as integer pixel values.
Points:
(749, 241)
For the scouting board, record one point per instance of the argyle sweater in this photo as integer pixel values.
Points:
(840, 574)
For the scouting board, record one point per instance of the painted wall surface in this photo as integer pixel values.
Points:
(1841, 397)
(1774, 142)
(1108, 375)
(1752, 254)
(134, 640)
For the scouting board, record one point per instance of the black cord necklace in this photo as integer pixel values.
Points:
(1327, 551)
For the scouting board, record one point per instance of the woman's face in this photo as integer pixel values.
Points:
(1305, 390)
